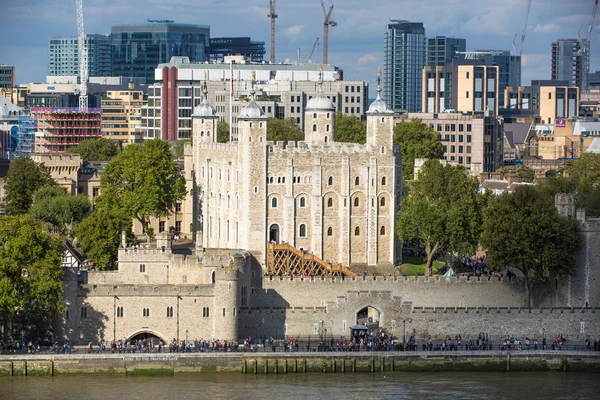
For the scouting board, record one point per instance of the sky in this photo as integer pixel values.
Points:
(355, 44)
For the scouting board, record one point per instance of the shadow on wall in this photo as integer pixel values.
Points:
(88, 324)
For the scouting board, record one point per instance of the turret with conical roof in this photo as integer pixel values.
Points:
(205, 120)
(319, 117)
(380, 122)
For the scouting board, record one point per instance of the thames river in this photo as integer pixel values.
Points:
(390, 385)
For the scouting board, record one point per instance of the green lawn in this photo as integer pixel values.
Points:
(413, 264)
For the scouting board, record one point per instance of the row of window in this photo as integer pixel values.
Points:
(145, 312)
(302, 202)
(302, 231)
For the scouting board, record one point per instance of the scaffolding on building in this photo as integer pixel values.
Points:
(25, 136)
(59, 129)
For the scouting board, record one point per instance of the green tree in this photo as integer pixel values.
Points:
(99, 236)
(416, 140)
(24, 177)
(442, 211)
(286, 130)
(523, 230)
(54, 205)
(30, 276)
(178, 147)
(143, 181)
(350, 129)
(524, 173)
(222, 132)
(100, 149)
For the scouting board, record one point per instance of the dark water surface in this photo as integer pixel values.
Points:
(389, 385)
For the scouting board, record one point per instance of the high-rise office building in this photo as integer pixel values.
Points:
(7, 77)
(440, 49)
(404, 59)
(232, 46)
(138, 49)
(570, 63)
(63, 56)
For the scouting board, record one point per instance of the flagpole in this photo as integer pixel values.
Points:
(231, 103)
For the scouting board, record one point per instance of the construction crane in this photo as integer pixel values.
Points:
(313, 49)
(585, 47)
(326, 24)
(272, 15)
(83, 58)
(519, 51)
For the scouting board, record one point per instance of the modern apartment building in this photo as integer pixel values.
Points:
(138, 49)
(122, 115)
(440, 49)
(570, 63)
(8, 77)
(63, 55)
(594, 79)
(544, 101)
(59, 129)
(282, 91)
(474, 140)
(461, 85)
(222, 47)
(404, 58)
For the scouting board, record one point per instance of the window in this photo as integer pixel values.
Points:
(119, 312)
(169, 312)
(330, 231)
(357, 231)
(274, 202)
(146, 312)
(382, 202)
(467, 94)
(244, 296)
(468, 127)
(383, 181)
(356, 181)
(382, 231)
(330, 181)
(83, 313)
(356, 202)
(314, 127)
(142, 268)
(205, 312)
(330, 202)
(302, 230)
(161, 226)
(302, 202)
(315, 115)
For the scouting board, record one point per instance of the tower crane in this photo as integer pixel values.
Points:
(326, 24)
(272, 15)
(585, 47)
(313, 48)
(519, 51)
(83, 58)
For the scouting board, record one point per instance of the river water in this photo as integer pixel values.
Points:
(389, 385)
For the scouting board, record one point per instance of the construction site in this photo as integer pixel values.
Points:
(59, 129)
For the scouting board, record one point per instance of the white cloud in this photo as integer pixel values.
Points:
(546, 28)
(367, 59)
(293, 31)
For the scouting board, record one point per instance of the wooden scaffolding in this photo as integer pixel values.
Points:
(284, 259)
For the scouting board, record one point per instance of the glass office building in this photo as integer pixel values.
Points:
(138, 49)
(221, 47)
(404, 59)
(63, 55)
(441, 49)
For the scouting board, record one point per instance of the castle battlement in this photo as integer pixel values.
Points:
(329, 148)
(301, 280)
(220, 147)
(504, 310)
(100, 290)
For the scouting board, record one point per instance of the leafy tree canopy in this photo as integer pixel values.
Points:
(524, 173)
(178, 147)
(416, 140)
(442, 212)
(286, 130)
(24, 177)
(523, 230)
(99, 236)
(143, 181)
(30, 276)
(222, 132)
(54, 205)
(350, 129)
(100, 149)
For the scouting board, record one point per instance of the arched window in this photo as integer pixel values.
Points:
(382, 231)
(356, 231)
(330, 202)
(383, 150)
(328, 115)
(274, 202)
(302, 202)
(314, 127)
(330, 231)
(326, 139)
(302, 230)
(315, 115)
(327, 128)
(330, 181)
(357, 181)
(383, 181)
(382, 202)
(356, 202)
(202, 133)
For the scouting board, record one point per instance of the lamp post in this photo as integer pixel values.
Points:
(22, 342)
(186, 339)
(70, 340)
(325, 340)
(543, 339)
(404, 334)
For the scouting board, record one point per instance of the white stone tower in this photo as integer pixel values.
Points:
(319, 117)
(380, 123)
